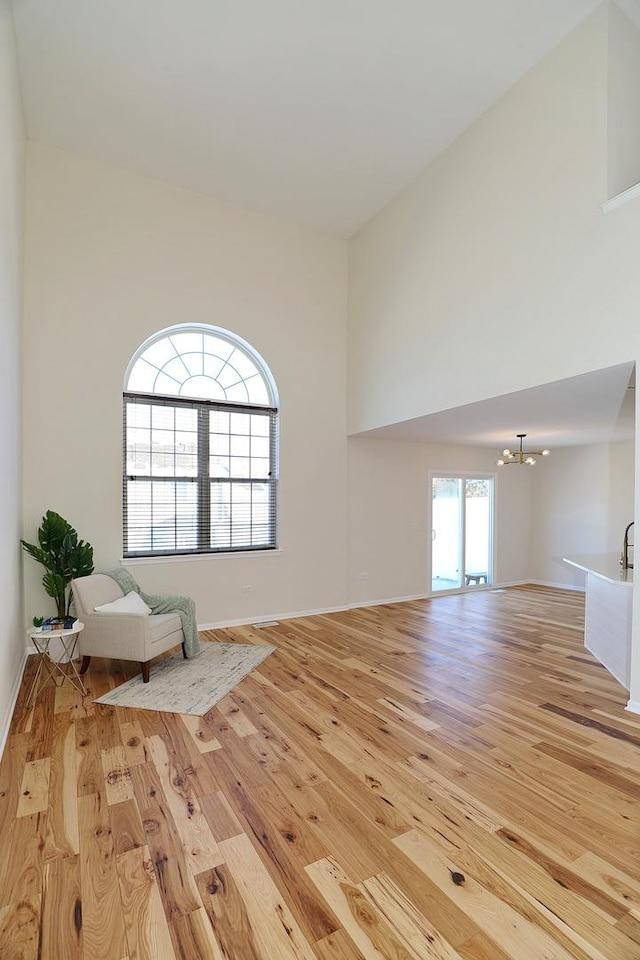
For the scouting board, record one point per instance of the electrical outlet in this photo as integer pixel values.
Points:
(247, 587)
(363, 575)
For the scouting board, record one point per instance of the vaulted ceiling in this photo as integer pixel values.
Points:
(315, 110)
(319, 111)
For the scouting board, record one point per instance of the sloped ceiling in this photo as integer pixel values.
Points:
(319, 112)
(316, 111)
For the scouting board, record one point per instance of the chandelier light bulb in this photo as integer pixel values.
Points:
(545, 453)
(500, 463)
(530, 461)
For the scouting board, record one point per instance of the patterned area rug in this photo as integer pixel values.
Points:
(191, 686)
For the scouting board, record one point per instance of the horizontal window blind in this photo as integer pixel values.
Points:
(199, 476)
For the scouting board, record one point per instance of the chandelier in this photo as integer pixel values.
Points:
(521, 456)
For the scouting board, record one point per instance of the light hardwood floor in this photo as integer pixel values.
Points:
(453, 778)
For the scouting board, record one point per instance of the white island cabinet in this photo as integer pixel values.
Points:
(607, 633)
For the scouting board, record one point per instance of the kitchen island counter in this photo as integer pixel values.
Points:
(607, 633)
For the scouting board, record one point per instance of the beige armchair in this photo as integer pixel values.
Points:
(122, 636)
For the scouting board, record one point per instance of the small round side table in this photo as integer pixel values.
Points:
(41, 640)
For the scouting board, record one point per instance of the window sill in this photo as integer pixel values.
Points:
(200, 557)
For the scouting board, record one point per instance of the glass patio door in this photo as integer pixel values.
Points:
(461, 531)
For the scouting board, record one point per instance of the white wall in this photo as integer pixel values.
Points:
(623, 113)
(111, 257)
(583, 499)
(389, 515)
(12, 647)
(577, 501)
(496, 270)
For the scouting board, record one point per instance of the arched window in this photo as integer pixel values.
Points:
(200, 445)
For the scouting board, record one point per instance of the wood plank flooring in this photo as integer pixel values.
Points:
(453, 778)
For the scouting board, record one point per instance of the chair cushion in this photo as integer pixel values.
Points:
(163, 624)
(131, 603)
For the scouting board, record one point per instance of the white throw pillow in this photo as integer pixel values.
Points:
(132, 603)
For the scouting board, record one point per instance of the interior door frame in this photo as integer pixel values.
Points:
(461, 475)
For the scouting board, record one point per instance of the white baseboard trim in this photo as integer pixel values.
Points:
(5, 723)
(557, 586)
(357, 604)
(244, 621)
(260, 618)
(633, 706)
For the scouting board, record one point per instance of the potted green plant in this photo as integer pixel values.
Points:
(62, 555)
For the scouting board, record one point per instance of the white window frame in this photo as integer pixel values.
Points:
(253, 528)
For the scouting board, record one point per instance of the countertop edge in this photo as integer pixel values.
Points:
(606, 566)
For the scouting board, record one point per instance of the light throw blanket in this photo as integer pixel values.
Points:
(165, 603)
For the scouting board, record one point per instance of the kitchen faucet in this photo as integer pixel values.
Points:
(624, 559)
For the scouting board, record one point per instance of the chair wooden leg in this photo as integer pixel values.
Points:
(145, 672)
(85, 664)
(184, 650)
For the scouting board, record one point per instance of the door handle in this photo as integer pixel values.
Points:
(433, 535)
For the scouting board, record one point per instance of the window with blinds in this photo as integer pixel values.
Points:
(199, 474)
